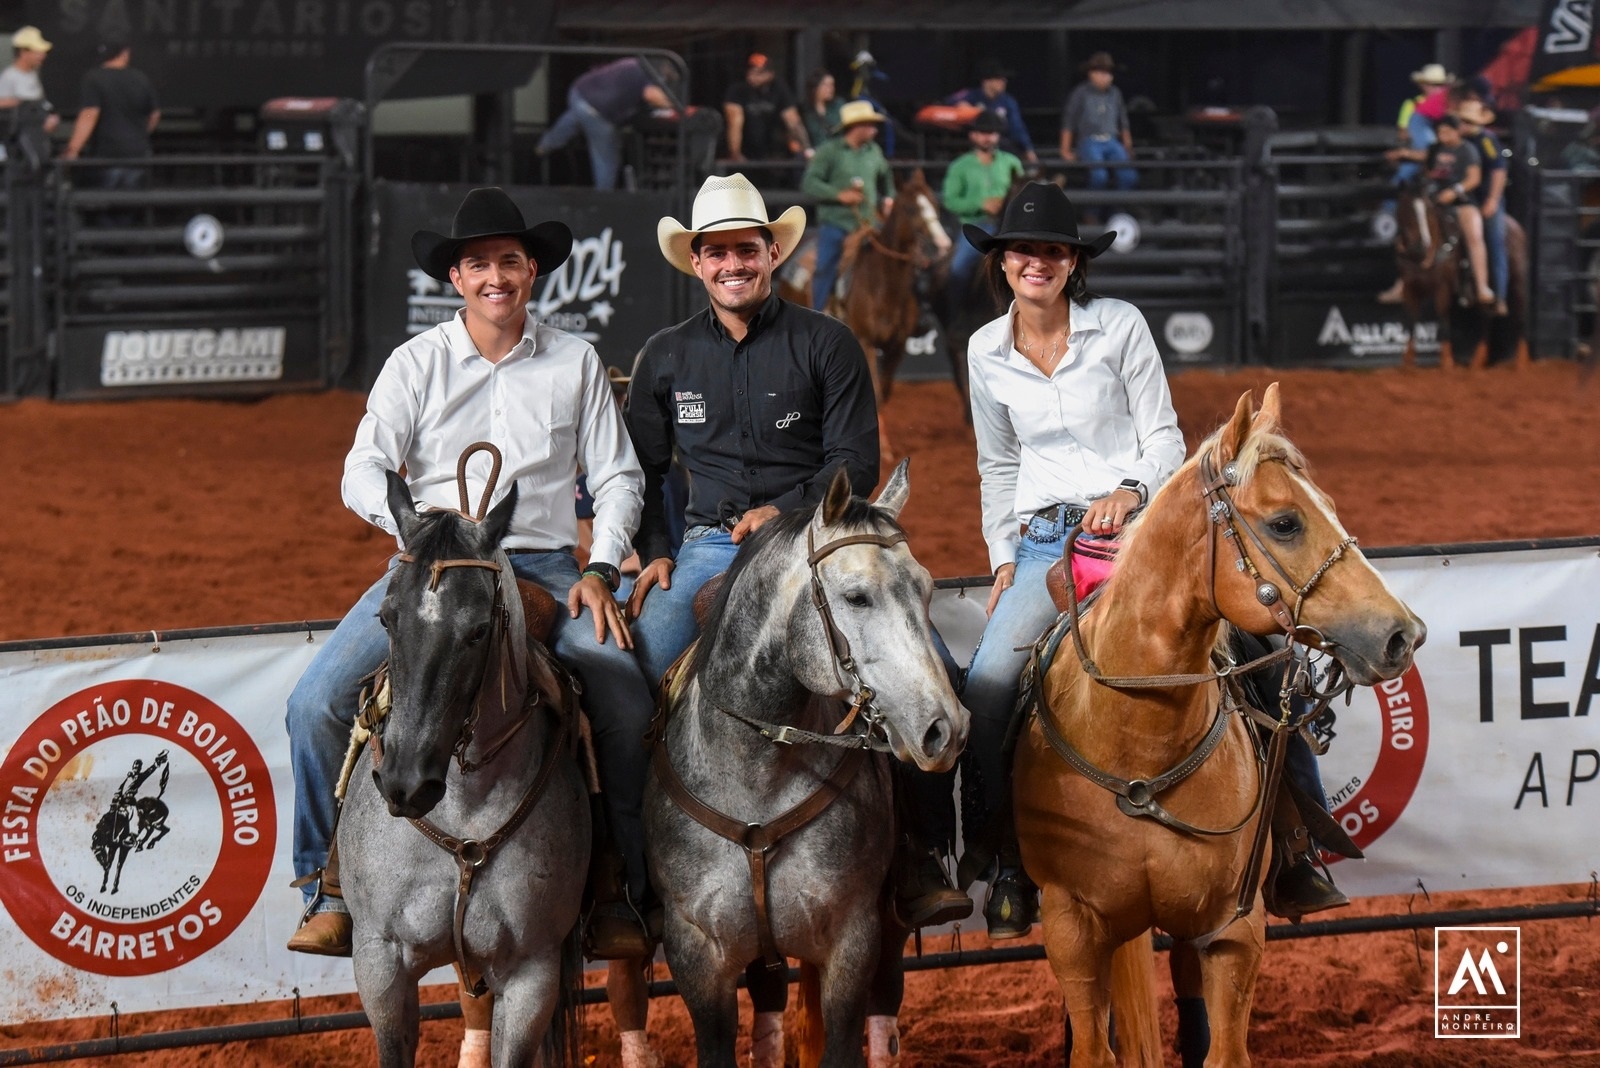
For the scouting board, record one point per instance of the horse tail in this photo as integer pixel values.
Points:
(563, 1040)
(808, 1034)
(1133, 1002)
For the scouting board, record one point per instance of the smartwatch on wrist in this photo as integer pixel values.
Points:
(1135, 487)
(606, 573)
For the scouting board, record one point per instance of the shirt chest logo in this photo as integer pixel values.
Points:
(691, 406)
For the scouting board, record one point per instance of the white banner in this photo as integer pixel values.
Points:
(1481, 768)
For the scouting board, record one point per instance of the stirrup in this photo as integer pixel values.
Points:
(316, 895)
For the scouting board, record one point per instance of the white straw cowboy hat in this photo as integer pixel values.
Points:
(857, 111)
(728, 203)
(1432, 74)
(30, 38)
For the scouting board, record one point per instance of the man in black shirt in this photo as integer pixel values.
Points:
(117, 113)
(763, 118)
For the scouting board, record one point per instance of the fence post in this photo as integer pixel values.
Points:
(1260, 224)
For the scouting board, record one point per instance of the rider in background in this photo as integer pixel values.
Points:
(1074, 425)
(1475, 121)
(1455, 171)
(975, 188)
(850, 178)
(1414, 131)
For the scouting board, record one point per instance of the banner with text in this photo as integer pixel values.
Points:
(146, 800)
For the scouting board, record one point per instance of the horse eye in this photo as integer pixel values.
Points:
(480, 632)
(856, 600)
(383, 620)
(1285, 526)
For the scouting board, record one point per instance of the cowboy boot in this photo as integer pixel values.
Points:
(325, 932)
(1013, 902)
(1297, 888)
(924, 895)
(614, 927)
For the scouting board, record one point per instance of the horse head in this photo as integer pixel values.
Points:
(1416, 223)
(446, 613)
(1282, 561)
(920, 226)
(869, 631)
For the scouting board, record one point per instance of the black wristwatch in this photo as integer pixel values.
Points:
(1136, 487)
(606, 573)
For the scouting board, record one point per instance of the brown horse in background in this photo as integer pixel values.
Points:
(1240, 515)
(1431, 253)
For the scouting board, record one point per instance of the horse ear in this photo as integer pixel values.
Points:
(494, 526)
(1231, 440)
(894, 494)
(401, 507)
(837, 497)
(1270, 416)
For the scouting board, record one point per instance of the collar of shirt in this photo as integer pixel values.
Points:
(464, 350)
(996, 338)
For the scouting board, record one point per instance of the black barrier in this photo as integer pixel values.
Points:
(221, 276)
(1565, 259)
(614, 291)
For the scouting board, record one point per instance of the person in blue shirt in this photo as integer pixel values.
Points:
(990, 95)
(1475, 121)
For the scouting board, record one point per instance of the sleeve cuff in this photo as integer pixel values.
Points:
(1002, 551)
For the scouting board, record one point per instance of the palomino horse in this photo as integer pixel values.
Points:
(1137, 710)
(882, 270)
(769, 823)
(1432, 257)
(493, 883)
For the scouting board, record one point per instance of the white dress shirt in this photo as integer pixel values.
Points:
(1068, 438)
(546, 406)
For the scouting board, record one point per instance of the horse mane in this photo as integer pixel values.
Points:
(441, 535)
(860, 516)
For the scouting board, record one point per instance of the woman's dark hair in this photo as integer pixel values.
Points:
(994, 272)
(813, 80)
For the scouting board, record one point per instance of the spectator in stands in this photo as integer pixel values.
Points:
(990, 95)
(866, 72)
(1455, 171)
(1094, 124)
(850, 178)
(975, 189)
(117, 113)
(20, 81)
(1475, 121)
(820, 111)
(601, 100)
(763, 118)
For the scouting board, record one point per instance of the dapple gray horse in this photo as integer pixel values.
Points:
(818, 608)
(469, 691)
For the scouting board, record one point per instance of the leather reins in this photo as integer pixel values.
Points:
(1139, 797)
(472, 854)
(759, 840)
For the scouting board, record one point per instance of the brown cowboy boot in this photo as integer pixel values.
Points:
(924, 895)
(614, 927)
(1295, 887)
(326, 933)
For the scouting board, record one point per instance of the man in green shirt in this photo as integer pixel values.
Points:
(975, 189)
(847, 176)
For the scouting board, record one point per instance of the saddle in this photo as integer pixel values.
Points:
(1092, 562)
(539, 609)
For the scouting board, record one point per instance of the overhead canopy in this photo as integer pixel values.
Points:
(1039, 14)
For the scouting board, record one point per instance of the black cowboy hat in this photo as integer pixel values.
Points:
(989, 67)
(1040, 212)
(987, 122)
(490, 213)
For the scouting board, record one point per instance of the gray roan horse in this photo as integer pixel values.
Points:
(765, 840)
(494, 881)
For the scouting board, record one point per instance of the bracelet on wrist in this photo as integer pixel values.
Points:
(607, 574)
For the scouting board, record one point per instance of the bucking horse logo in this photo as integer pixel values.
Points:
(132, 823)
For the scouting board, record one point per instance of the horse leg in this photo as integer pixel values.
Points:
(389, 995)
(477, 1014)
(884, 997)
(1194, 1029)
(1442, 308)
(122, 858)
(707, 983)
(1228, 968)
(1080, 957)
(524, 1007)
(1480, 352)
(628, 993)
(846, 976)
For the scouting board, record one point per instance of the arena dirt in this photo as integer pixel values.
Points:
(173, 514)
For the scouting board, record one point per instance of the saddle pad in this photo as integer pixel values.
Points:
(539, 609)
(1092, 562)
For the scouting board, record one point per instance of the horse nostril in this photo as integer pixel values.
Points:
(1400, 644)
(937, 739)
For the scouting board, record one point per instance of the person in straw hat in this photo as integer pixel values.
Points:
(1414, 133)
(851, 180)
(20, 81)
(491, 372)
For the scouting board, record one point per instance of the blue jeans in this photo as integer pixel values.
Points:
(323, 706)
(605, 143)
(963, 264)
(666, 625)
(830, 246)
(1494, 240)
(1109, 150)
(990, 694)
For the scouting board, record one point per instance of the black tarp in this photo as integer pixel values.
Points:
(1037, 15)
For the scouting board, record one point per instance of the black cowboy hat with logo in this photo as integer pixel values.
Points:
(490, 212)
(1040, 212)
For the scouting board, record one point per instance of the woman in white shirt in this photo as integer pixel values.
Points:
(1075, 424)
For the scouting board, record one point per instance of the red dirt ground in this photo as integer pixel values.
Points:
(174, 514)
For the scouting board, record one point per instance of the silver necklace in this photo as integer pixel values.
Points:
(1050, 358)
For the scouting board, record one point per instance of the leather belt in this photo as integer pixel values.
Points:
(521, 552)
(1069, 514)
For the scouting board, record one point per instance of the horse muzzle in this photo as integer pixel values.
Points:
(1372, 652)
(408, 797)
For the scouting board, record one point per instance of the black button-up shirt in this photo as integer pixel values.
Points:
(761, 421)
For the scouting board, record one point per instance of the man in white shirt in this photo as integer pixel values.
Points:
(491, 373)
(20, 81)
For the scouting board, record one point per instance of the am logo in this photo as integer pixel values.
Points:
(137, 827)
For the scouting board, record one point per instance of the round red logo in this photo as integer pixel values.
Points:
(137, 827)
(1367, 806)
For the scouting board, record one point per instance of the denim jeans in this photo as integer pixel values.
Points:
(1109, 150)
(1494, 240)
(830, 246)
(605, 143)
(666, 625)
(323, 706)
(990, 694)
